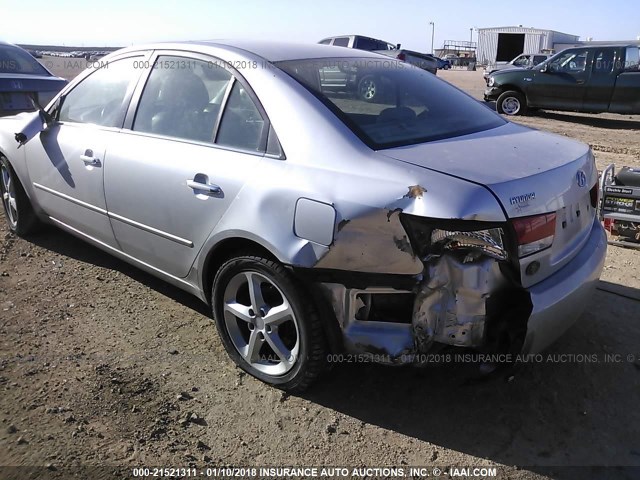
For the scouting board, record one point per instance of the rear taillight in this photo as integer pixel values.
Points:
(534, 233)
(401, 56)
(593, 193)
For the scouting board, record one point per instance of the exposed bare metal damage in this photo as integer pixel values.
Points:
(446, 303)
(450, 307)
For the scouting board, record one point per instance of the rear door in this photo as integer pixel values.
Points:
(604, 69)
(66, 162)
(195, 136)
(564, 84)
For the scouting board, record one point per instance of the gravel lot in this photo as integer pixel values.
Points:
(102, 364)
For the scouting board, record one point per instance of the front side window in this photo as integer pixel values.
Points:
(388, 103)
(368, 44)
(182, 98)
(574, 61)
(537, 59)
(632, 59)
(522, 61)
(100, 98)
(18, 61)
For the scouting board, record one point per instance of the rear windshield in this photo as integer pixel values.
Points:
(16, 60)
(389, 103)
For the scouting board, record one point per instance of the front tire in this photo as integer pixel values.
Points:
(267, 323)
(511, 103)
(18, 211)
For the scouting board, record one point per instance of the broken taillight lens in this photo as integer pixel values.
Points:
(487, 242)
(534, 233)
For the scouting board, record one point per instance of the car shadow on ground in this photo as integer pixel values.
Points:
(549, 416)
(544, 417)
(592, 120)
(66, 244)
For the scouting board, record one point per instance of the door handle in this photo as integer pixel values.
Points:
(208, 188)
(89, 159)
(580, 82)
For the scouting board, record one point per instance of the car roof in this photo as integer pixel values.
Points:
(267, 50)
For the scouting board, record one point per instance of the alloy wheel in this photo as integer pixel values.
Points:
(261, 323)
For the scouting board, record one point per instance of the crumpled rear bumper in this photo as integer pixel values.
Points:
(559, 300)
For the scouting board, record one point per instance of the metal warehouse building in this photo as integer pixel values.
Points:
(501, 44)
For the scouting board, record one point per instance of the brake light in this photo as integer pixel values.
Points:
(534, 233)
(401, 56)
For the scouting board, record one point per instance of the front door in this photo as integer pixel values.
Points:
(66, 162)
(564, 83)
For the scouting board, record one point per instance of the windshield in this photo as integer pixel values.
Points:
(388, 103)
(16, 60)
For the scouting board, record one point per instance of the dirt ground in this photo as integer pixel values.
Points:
(102, 364)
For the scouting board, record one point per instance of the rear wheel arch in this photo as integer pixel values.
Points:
(223, 251)
(238, 246)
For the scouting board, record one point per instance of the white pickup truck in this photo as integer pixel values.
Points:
(524, 60)
(422, 60)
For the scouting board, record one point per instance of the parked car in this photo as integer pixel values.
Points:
(443, 63)
(422, 60)
(586, 79)
(314, 223)
(524, 60)
(23, 79)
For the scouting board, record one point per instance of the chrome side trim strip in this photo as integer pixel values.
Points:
(120, 253)
(141, 226)
(146, 228)
(93, 208)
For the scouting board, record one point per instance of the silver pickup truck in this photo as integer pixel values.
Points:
(422, 60)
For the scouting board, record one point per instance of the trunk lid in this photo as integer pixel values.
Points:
(530, 173)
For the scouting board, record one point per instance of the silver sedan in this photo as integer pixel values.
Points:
(317, 224)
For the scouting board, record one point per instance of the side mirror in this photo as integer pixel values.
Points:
(544, 68)
(35, 123)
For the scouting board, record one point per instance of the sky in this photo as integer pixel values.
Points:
(127, 22)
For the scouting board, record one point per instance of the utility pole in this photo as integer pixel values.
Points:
(471, 36)
(433, 29)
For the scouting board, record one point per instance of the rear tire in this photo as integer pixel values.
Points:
(511, 103)
(18, 211)
(269, 326)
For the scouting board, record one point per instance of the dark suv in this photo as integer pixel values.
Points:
(584, 79)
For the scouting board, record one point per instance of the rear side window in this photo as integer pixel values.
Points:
(603, 61)
(632, 60)
(100, 98)
(242, 124)
(182, 98)
(341, 42)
